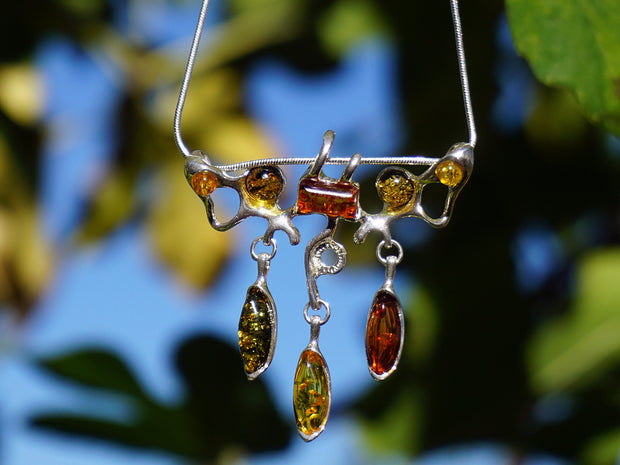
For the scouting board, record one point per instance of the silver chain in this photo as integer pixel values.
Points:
(405, 160)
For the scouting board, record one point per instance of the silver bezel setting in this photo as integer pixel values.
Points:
(313, 346)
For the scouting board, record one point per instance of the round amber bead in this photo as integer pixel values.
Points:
(449, 173)
(395, 188)
(264, 183)
(204, 183)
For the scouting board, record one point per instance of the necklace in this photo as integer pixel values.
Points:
(259, 184)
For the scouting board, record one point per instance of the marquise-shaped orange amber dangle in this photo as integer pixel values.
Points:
(311, 393)
(384, 334)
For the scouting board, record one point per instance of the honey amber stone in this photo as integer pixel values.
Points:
(449, 173)
(204, 183)
(264, 183)
(395, 188)
(384, 333)
(311, 394)
(331, 198)
(256, 326)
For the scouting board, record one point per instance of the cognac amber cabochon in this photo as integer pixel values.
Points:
(256, 331)
(331, 198)
(384, 334)
(204, 183)
(264, 183)
(311, 394)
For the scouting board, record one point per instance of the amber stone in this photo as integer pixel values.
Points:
(383, 333)
(204, 183)
(449, 173)
(331, 198)
(256, 330)
(311, 393)
(264, 183)
(395, 188)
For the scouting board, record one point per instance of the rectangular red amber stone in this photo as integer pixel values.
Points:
(331, 198)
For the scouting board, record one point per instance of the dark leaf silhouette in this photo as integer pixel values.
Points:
(220, 410)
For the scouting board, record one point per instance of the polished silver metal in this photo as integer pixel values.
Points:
(322, 320)
(321, 158)
(318, 266)
(234, 176)
(277, 219)
(315, 267)
(263, 262)
(406, 160)
(460, 153)
(384, 245)
(390, 262)
(271, 242)
(460, 51)
(324, 241)
(191, 60)
(313, 346)
(282, 219)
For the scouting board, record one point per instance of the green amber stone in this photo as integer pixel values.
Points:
(256, 326)
(311, 394)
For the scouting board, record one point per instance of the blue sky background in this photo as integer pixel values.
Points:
(104, 295)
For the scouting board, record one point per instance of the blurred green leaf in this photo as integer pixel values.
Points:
(221, 410)
(94, 368)
(556, 122)
(574, 44)
(180, 233)
(574, 349)
(81, 8)
(26, 258)
(603, 450)
(156, 428)
(21, 93)
(349, 22)
(422, 322)
(112, 204)
(398, 427)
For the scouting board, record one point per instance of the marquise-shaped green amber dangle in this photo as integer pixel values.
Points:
(311, 391)
(258, 322)
(257, 331)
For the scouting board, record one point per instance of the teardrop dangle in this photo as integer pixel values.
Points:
(258, 325)
(312, 390)
(385, 327)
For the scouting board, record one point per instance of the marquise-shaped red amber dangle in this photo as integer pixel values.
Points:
(311, 393)
(384, 334)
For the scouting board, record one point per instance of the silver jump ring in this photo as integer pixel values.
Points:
(272, 243)
(323, 320)
(383, 259)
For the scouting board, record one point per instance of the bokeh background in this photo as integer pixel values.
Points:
(119, 305)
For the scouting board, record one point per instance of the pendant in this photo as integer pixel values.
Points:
(312, 396)
(259, 186)
(385, 326)
(258, 325)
